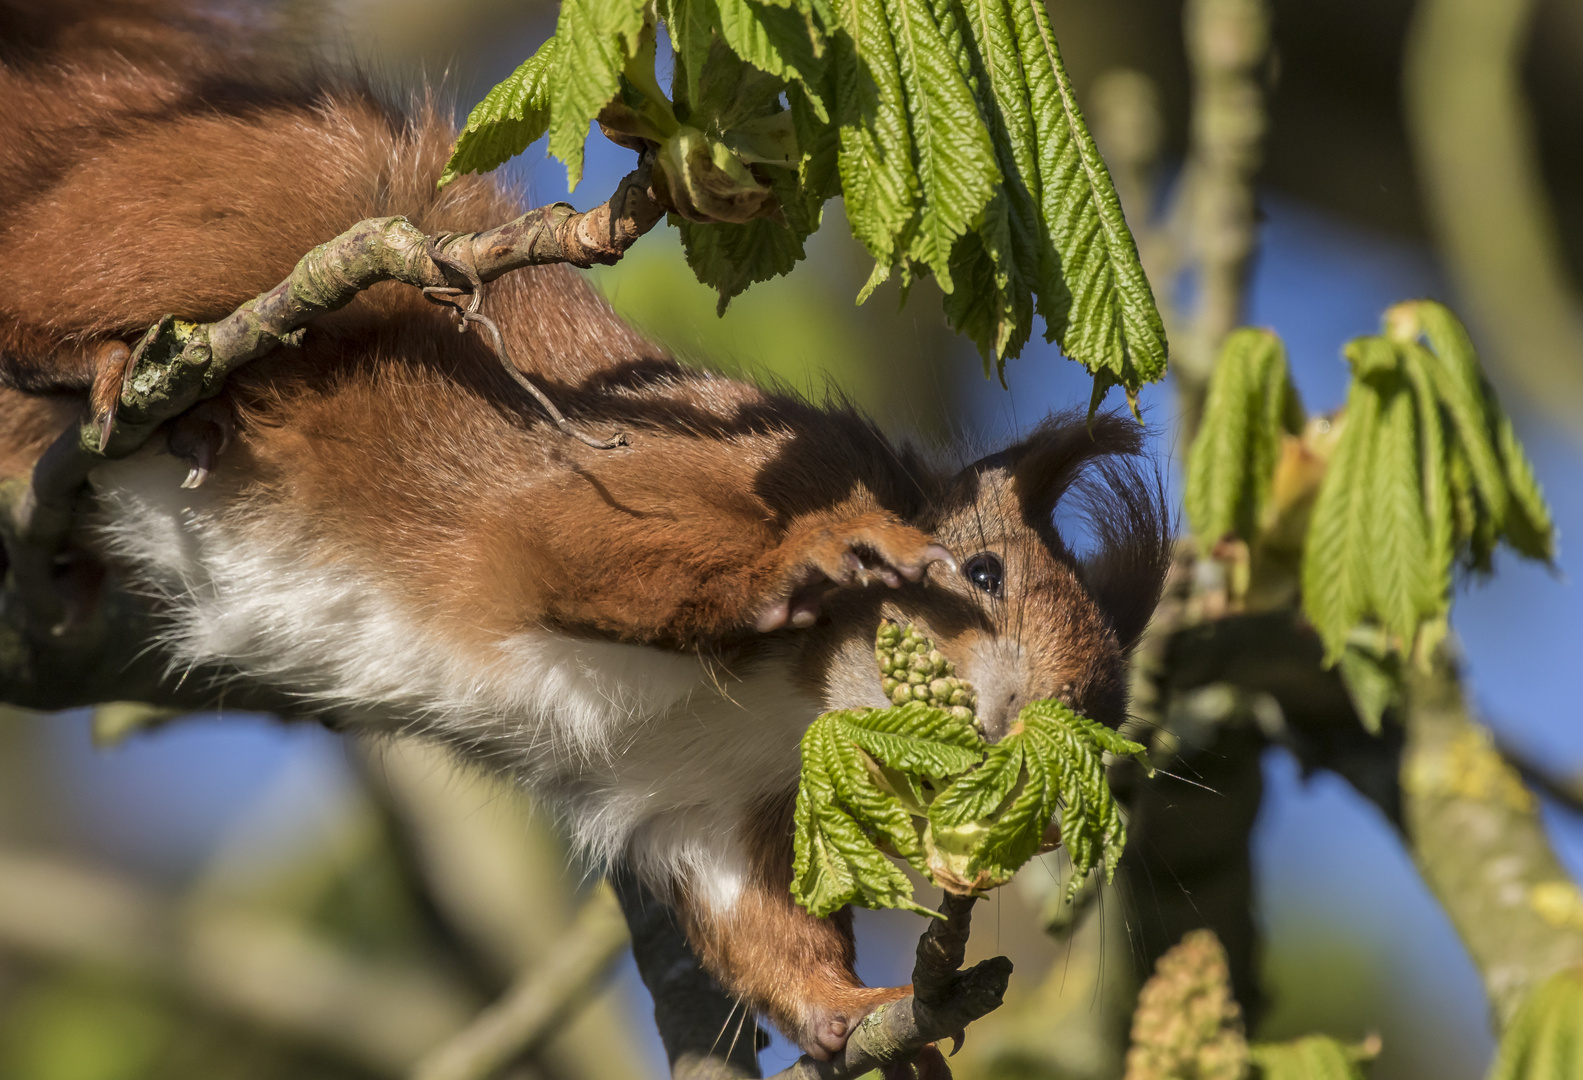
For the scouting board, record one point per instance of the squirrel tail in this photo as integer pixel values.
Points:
(171, 32)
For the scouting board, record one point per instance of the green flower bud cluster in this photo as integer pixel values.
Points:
(912, 669)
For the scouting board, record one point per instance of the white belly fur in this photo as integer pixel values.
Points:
(644, 752)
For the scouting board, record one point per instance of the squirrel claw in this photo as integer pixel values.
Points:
(934, 553)
(928, 1065)
(863, 551)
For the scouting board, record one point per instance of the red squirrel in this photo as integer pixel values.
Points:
(397, 534)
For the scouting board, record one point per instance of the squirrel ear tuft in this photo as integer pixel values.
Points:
(1124, 503)
(1045, 464)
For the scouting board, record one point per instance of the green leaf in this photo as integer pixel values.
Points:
(952, 155)
(1336, 565)
(776, 40)
(1435, 581)
(1069, 748)
(921, 782)
(1507, 502)
(1312, 1057)
(999, 260)
(1102, 312)
(1373, 678)
(988, 306)
(835, 861)
(1545, 1039)
(509, 119)
(878, 181)
(1231, 465)
(1015, 834)
(597, 38)
(1108, 739)
(691, 27)
(978, 794)
(728, 257)
(1529, 526)
(1396, 534)
(819, 171)
(915, 738)
(839, 800)
(1459, 383)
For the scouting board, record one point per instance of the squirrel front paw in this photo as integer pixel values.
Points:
(869, 549)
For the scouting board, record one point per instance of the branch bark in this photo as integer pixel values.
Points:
(538, 1001)
(1474, 831)
(944, 1001)
(1228, 46)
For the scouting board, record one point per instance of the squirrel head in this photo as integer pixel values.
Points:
(1022, 615)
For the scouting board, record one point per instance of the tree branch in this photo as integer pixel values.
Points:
(177, 364)
(1470, 824)
(945, 1000)
(1228, 44)
(1474, 830)
(537, 1002)
(695, 1016)
(263, 971)
(1478, 167)
(1565, 790)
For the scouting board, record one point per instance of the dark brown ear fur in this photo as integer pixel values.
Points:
(1122, 500)
(1125, 507)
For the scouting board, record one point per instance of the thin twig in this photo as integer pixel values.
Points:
(1566, 791)
(544, 995)
(945, 1000)
(1227, 46)
(176, 364)
(261, 970)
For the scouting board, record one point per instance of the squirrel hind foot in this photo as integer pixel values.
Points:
(827, 1028)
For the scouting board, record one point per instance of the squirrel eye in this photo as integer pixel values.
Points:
(985, 571)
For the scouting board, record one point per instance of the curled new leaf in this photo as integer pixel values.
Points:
(1313, 1057)
(1231, 465)
(1545, 1038)
(918, 780)
(1427, 472)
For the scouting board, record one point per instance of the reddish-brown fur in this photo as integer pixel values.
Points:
(131, 190)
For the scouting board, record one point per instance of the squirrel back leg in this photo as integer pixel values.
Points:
(796, 969)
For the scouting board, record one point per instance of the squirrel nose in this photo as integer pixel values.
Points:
(996, 712)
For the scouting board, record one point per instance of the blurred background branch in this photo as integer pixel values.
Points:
(1478, 165)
